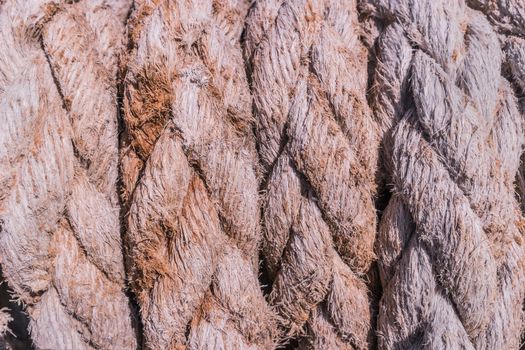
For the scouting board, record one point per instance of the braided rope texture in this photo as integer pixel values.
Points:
(191, 178)
(60, 244)
(207, 132)
(508, 20)
(451, 239)
(318, 148)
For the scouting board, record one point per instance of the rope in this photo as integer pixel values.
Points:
(318, 146)
(190, 179)
(59, 159)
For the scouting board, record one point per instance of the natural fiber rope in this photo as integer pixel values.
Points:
(508, 19)
(190, 180)
(514, 46)
(318, 147)
(60, 237)
(450, 241)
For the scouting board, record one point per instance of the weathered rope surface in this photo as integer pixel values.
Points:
(451, 240)
(508, 19)
(318, 146)
(60, 244)
(514, 46)
(190, 178)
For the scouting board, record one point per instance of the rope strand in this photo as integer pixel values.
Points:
(317, 145)
(450, 239)
(191, 179)
(60, 111)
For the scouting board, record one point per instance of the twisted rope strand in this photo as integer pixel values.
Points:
(317, 145)
(507, 19)
(64, 265)
(191, 179)
(457, 248)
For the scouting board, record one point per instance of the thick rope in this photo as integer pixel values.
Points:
(318, 146)
(60, 237)
(508, 19)
(450, 241)
(190, 179)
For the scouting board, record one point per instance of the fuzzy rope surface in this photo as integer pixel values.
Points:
(451, 239)
(60, 242)
(190, 176)
(318, 146)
